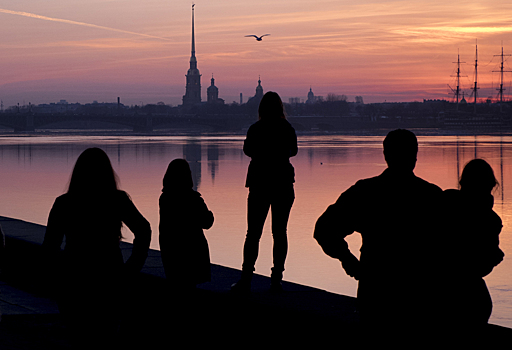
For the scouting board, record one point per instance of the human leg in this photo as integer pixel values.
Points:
(257, 210)
(281, 205)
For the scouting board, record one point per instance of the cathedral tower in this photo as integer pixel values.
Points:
(212, 92)
(193, 89)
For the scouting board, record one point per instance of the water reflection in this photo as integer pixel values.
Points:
(192, 153)
(213, 158)
(35, 170)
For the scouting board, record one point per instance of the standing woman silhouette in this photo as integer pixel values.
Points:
(270, 143)
(473, 230)
(90, 216)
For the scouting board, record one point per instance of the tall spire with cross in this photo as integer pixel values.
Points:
(193, 88)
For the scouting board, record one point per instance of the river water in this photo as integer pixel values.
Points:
(34, 170)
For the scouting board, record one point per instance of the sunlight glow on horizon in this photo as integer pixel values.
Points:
(381, 50)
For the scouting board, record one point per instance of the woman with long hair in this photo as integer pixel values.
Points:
(472, 237)
(183, 216)
(270, 143)
(89, 217)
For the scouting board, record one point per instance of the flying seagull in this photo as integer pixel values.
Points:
(258, 38)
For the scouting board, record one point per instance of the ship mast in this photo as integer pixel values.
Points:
(475, 88)
(457, 91)
(501, 89)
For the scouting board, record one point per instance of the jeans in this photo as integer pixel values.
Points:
(279, 200)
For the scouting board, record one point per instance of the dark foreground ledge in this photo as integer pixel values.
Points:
(155, 314)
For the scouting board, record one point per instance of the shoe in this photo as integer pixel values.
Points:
(276, 278)
(241, 287)
(276, 287)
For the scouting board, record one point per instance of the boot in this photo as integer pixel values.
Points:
(276, 278)
(243, 286)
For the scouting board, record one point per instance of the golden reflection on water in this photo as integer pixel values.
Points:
(35, 170)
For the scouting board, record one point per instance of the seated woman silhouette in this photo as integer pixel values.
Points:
(472, 233)
(183, 216)
(270, 143)
(89, 217)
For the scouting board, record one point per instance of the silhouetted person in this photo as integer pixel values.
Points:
(89, 218)
(270, 143)
(2, 249)
(2, 257)
(471, 237)
(395, 215)
(183, 216)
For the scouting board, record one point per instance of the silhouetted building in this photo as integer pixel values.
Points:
(212, 93)
(193, 88)
(311, 96)
(258, 96)
(463, 101)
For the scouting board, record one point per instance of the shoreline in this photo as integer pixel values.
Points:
(242, 133)
(301, 312)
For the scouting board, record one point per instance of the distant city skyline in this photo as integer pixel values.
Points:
(381, 50)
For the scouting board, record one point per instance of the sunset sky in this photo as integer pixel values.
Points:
(89, 50)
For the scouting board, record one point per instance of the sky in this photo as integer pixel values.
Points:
(394, 51)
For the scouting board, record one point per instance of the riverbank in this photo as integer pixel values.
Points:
(158, 133)
(155, 314)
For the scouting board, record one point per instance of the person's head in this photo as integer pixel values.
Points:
(271, 106)
(93, 174)
(478, 176)
(401, 149)
(178, 175)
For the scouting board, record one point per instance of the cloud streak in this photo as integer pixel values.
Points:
(45, 18)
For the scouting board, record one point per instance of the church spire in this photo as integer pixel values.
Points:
(193, 61)
(193, 87)
(193, 36)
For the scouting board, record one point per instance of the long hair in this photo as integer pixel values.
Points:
(271, 106)
(478, 176)
(93, 174)
(178, 175)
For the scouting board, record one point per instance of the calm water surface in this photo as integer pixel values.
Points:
(35, 170)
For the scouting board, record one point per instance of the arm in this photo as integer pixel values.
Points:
(248, 143)
(493, 255)
(206, 216)
(293, 143)
(141, 230)
(54, 230)
(51, 247)
(2, 249)
(331, 229)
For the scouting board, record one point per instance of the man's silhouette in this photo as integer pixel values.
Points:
(395, 213)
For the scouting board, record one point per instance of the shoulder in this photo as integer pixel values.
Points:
(428, 185)
(122, 199)
(62, 198)
(122, 195)
(195, 194)
(61, 202)
(451, 193)
(254, 127)
(358, 189)
(285, 124)
(369, 182)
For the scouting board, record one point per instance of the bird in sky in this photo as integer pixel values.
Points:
(258, 38)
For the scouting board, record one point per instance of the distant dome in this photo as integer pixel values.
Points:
(258, 96)
(311, 96)
(259, 88)
(463, 101)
